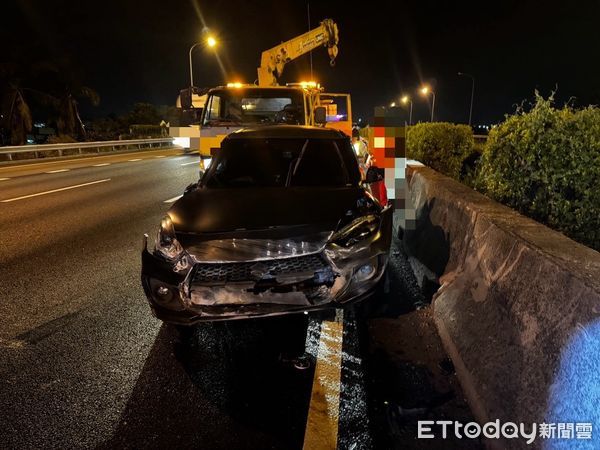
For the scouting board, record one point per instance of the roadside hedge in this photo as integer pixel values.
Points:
(545, 163)
(441, 146)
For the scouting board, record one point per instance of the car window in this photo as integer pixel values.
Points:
(283, 162)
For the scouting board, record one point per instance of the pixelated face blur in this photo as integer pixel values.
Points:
(388, 144)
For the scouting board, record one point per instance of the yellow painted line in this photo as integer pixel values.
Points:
(102, 165)
(4, 179)
(54, 190)
(161, 156)
(134, 160)
(323, 413)
(59, 170)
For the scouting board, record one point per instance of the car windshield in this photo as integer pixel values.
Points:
(245, 106)
(283, 163)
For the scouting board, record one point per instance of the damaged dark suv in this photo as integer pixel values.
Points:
(280, 223)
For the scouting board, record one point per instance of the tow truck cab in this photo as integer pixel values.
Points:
(235, 106)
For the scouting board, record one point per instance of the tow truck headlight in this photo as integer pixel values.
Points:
(166, 241)
(356, 231)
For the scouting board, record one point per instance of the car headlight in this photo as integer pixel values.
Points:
(356, 231)
(166, 241)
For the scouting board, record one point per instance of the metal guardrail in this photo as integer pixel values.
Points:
(78, 147)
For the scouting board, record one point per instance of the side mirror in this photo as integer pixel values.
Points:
(185, 97)
(320, 115)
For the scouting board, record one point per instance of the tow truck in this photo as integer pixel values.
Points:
(238, 105)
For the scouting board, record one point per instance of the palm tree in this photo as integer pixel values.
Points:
(52, 88)
(61, 83)
(69, 122)
(19, 118)
(14, 110)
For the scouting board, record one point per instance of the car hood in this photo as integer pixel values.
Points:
(253, 211)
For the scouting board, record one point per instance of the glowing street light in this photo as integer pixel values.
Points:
(426, 90)
(211, 42)
(406, 99)
(393, 105)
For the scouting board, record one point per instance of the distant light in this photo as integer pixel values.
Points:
(405, 99)
(182, 141)
(425, 90)
(211, 41)
(392, 104)
(309, 84)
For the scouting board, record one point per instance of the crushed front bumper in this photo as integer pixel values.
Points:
(214, 291)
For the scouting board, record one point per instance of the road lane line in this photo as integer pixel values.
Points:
(134, 160)
(323, 413)
(174, 199)
(59, 170)
(4, 179)
(193, 162)
(161, 156)
(54, 190)
(101, 165)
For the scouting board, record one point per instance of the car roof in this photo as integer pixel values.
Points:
(286, 132)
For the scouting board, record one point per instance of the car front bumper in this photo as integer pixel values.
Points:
(184, 297)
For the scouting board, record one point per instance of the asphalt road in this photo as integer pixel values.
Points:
(84, 364)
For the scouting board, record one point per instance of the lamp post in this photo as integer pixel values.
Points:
(425, 90)
(472, 92)
(210, 42)
(406, 99)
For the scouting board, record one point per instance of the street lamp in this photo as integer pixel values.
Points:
(426, 90)
(472, 92)
(406, 99)
(211, 42)
(393, 105)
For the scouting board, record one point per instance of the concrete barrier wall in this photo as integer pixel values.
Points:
(518, 308)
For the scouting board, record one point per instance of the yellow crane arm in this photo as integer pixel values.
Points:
(273, 61)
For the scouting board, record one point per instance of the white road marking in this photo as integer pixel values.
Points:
(4, 179)
(161, 156)
(193, 162)
(59, 170)
(54, 190)
(134, 160)
(103, 164)
(323, 413)
(174, 199)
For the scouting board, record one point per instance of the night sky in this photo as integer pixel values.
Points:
(137, 51)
